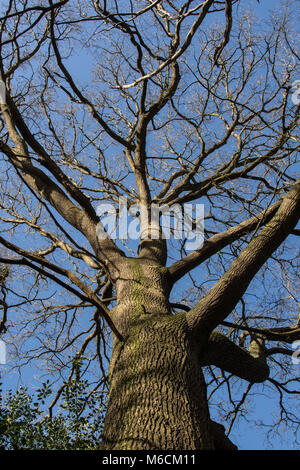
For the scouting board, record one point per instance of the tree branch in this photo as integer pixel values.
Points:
(287, 334)
(205, 7)
(228, 13)
(219, 302)
(248, 365)
(214, 244)
(47, 161)
(39, 182)
(88, 295)
(78, 93)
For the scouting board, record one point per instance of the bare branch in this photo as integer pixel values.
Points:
(222, 298)
(219, 241)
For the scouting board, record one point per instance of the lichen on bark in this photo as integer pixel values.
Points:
(157, 396)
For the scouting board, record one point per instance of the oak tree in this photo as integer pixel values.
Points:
(133, 106)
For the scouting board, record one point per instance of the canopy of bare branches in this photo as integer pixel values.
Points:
(154, 102)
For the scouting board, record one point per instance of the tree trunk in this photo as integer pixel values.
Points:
(157, 396)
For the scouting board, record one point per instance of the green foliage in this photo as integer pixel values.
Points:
(76, 426)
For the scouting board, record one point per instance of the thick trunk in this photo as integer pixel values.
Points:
(157, 394)
(157, 398)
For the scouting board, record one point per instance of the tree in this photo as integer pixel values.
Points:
(78, 425)
(169, 110)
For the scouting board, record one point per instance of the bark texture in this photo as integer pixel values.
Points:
(157, 391)
(157, 394)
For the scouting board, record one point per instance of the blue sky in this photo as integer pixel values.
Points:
(245, 436)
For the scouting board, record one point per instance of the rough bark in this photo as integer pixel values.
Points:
(157, 394)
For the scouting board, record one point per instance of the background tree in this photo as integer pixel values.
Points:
(77, 425)
(172, 103)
